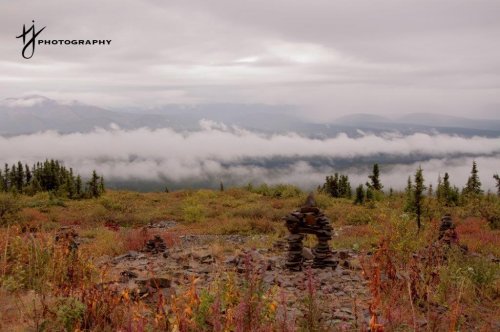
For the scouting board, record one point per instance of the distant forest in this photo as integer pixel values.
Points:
(49, 176)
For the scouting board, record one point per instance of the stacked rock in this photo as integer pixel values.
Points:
(309, 220)
(447, 232)
(295, 258)
(155, 245)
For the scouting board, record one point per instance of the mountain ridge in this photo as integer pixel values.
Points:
(35, 113)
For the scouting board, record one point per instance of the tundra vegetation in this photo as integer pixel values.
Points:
(49, 284)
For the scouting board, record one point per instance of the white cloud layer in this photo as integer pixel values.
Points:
(217, 152)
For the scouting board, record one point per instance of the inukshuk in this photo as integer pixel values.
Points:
(447, 232)
(309, 220)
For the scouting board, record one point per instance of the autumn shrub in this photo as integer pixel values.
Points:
(104, 242)
(69, 312)
(276, 191)
(357, 218)
(477, 235)
(476, 276)
(193, 210)
(311, 320)
(227, 226)
(9, 208)
(36, 262)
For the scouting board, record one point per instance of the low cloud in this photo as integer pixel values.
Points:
(236, 156)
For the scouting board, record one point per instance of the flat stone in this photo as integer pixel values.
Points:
(307, 253)
(157, 282)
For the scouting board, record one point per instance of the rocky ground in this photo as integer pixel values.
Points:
(342, 294)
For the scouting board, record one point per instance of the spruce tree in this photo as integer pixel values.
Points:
(20, 177)
(338, 186)
(345, 187)
(375, 183)
(78, 187)
(409, 196)
(447, 194)
(27, 174)
(497, 179)
(6, 175)
(370, 195)
(93, 186)
(439, 189)
(360, 195)
(102, 187)
(418, 196)
(473, 186)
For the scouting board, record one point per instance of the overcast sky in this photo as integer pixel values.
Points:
(329, 58)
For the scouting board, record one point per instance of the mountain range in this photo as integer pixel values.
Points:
(35, 113)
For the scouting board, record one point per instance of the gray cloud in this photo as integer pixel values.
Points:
(328, 57)
(239, 156)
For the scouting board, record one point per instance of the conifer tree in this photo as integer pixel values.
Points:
(473, 186)
(20, 177)
(27, 174)
(78, 187)
(93, 186)
(370, 195)
(338, 186)
(360, 195)
(447, 194)
(13, 179)
(345, 187)
(497, 179)
(102, 187)
(6, 174)
(439, 188)
(375, 183)
(418, 196)
(409, 196)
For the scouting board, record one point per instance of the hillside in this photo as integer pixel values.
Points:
(195, 260)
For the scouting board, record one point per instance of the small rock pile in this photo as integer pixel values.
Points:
(67, 236)
(447, 232)
(448, 235)
(156, 245)
(165, 224)
(309, 220)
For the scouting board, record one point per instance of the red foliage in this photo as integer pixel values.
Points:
(112, 226)
(170, 238)
(135, 239)
(476, 234)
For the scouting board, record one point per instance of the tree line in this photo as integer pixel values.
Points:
(49, 176)
(446, 194)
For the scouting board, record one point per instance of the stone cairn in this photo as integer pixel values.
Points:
(309, 220)
(447, 233)
(155, 245)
